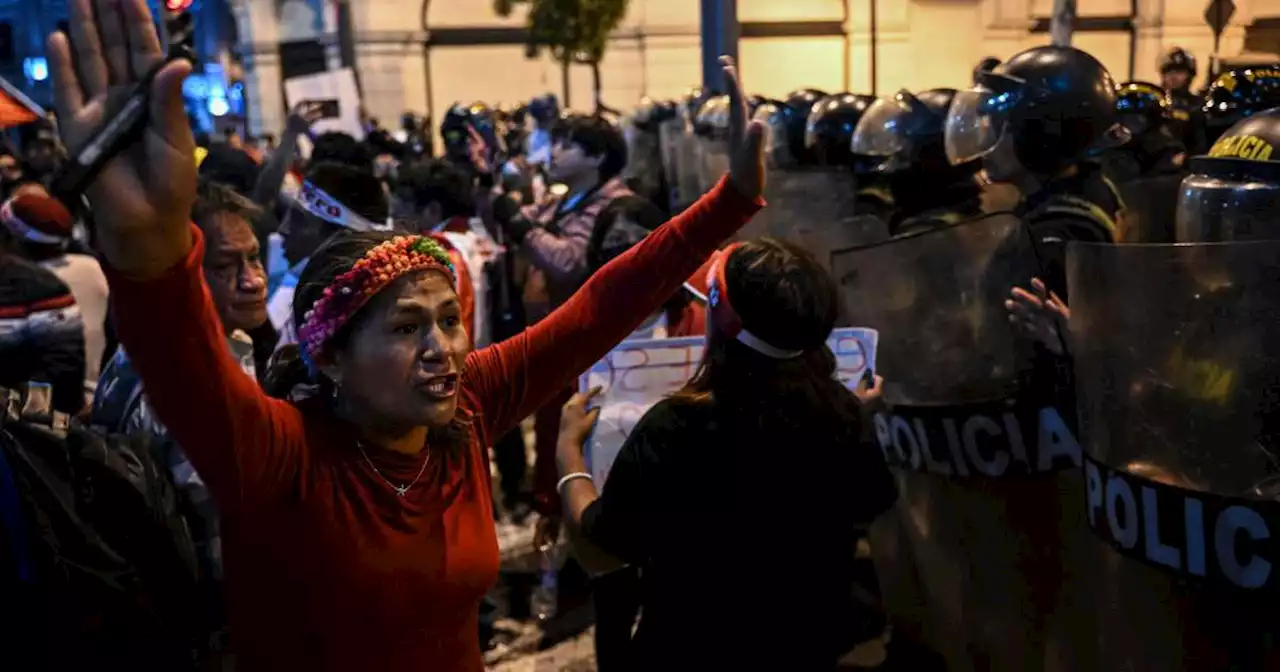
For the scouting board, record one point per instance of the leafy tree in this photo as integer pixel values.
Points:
(574, 31)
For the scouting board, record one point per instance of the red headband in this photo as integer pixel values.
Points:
(726, 318)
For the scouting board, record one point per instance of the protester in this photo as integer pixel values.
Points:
(342, 551)
(616, 593)
(333, 197)
(233, 273)
(41, 335)
(684, 494)
(39, 229)
(338, 147)
(11, 173)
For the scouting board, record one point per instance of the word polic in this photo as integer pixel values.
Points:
(989, 440)
(1225, 542)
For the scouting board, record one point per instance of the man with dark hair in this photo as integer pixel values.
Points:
(237, 283)
(338, 147)
(437, 195)
(332, 197)
(587, 156)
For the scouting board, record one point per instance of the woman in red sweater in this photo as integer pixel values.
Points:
(358, 532)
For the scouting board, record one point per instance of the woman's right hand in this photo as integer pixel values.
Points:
(142, 199)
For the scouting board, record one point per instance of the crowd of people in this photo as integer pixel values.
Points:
(253, 399)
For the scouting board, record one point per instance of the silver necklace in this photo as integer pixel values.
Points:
(400, 489)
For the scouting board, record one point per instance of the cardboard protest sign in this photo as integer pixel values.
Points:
(637, 374)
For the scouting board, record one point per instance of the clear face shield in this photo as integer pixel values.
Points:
(885, 133)
(777, 141)
(976, 121)
(1229, 201)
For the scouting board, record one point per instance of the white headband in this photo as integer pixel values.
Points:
(315, 201)
(21, 228)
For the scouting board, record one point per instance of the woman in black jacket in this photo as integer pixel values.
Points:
(741, 498)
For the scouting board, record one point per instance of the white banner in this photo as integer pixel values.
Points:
(637, 374)
(339, 85)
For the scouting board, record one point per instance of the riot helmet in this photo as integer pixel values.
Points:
(985, 65)
(905, 131)
(453, 129)
(802, 102)
(1237, 94)
(1141, 106)
(712, 120)
(544, 110)
(1233, 193)
(829, 132)
(778, 119)
(692, 101)
(1055, 105)
(1178, 60)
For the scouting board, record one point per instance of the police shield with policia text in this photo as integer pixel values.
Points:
(1176, 366)
(980, 421)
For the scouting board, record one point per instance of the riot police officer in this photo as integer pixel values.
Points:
(829, 142)
(1143, 110)
(1239, 93)
(645, 173)
(455, 131)
(901, 139)
(1177, 71)
(1036, 121)
(802, 102)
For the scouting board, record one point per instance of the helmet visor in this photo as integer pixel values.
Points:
(882, 133)
(1224, 208)
(976, 121)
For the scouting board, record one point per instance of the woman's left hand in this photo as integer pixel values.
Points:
(746, 138)
(576, 423)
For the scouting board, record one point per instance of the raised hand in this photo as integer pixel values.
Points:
(1039, 314)
(142, 198)
(746, 166)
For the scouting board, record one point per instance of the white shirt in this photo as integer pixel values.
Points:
(83, 275)
(280, 306)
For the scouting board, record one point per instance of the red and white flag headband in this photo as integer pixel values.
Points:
(726, 318)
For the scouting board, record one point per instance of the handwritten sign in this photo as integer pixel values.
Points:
(639, 373)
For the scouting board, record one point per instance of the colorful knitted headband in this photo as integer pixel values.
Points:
(726, 318)
(349, 292)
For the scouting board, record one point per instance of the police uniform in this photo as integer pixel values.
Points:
(1058, 106)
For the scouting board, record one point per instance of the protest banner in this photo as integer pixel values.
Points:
(637, 374)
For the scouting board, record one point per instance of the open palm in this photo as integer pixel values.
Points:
(143, 196)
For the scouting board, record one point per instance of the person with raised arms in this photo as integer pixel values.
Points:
(357, 523)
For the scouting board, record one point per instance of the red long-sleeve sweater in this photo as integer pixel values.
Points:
(327, 569)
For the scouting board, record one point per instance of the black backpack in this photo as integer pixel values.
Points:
(97, 567)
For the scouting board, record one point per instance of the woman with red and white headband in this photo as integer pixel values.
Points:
(357, 525)
(741, 498)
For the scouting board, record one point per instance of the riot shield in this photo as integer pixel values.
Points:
(814, 208)
(1149, 207)
(670, 133)
(714, 155)
(643, 171)
(689, 168)
(1176, 359)
(976, 543)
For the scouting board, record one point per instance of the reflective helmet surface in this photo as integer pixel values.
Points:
(1233, 192)
(1057, 103)
(1239, 93)
(829, 132)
